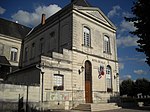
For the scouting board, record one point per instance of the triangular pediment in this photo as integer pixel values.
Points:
(97, 14)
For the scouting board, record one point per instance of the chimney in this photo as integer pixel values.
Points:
(43, 19)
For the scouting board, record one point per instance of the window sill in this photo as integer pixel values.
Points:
(58, 88)
(109, 53)
(87, 46)
(109, 90)
(14, 61)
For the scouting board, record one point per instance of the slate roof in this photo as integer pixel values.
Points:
(54, 17)
(13, 29)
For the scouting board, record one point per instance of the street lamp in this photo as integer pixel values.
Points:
(117, 75)
(38, 66)
(81, 70)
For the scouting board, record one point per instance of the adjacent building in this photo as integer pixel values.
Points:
(11, 36)
(72, 56)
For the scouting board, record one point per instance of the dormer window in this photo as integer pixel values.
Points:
(87, 36)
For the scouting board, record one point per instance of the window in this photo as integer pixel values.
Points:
(51, 41)
(26, 54)
(106, 44)
(58, 82)
(33, 50)
(87, 36)
(1, 49)
(41, 46)
(109, 79)
(52, 34)
(13, 54)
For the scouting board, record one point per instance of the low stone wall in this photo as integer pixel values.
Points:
(9, 96)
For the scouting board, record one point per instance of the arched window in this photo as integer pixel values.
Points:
(109, 78)
(13, 54)
(106, 44)
(87, 36)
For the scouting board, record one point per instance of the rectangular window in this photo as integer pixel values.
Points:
(51, 41)
(13, 54)
(109, 79)
(87, 38)
(106, 44)
(26, 54)
(42, 46)
(58, 82)
(33, 50)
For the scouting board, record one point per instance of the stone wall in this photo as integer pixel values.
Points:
(9, 95)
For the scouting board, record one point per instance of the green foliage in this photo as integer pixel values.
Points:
(130, 88)
(142, 86)
(127, 88)
(141, 20)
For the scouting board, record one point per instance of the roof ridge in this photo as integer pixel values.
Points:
(83, 3)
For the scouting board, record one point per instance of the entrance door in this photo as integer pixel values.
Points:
(88, 82)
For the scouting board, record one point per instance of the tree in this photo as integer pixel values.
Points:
(141, 20)
(127, 88)
(142, 86)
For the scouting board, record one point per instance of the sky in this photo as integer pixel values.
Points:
(131, 63)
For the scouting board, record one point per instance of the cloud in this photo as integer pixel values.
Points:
(34, 18)
(2, 10)
(127, 41)
(140, 72)
(127, 14)
(121, 66)
(127, 26)
(114, 11)
(125, 77)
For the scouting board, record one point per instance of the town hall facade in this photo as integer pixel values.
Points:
(72, 56)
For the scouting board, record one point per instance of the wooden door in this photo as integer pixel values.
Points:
(88, 82)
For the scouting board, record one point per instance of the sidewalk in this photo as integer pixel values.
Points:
(140, 109)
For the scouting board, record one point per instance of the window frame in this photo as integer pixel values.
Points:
(109, 79)
(26, 54)
(41, 46)
(33, 48)
(13, 54)
(86, 36)
(60, 85)
(107, 47)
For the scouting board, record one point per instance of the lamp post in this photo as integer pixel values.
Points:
(42, 73)
(117, 75)
(38, 66)
(81, 70)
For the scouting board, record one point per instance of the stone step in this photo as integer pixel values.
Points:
(96, 107)
(104, 106)
(83, 107)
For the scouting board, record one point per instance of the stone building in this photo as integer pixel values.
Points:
(72, 56)
(11, 35)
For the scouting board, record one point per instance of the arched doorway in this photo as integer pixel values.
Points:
(88, 82)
